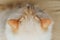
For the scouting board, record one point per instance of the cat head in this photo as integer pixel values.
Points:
(29, 13)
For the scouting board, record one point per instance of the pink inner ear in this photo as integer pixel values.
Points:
(45, 23)
(14, 24)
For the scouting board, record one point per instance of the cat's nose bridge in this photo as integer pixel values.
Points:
(29, 6)
(29, 9)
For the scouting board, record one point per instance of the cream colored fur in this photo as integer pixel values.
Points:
(29, 28)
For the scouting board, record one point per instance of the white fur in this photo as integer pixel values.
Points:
(29, 29)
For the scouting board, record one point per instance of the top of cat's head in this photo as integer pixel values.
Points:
(29, 14)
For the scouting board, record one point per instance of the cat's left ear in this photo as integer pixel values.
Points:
(45, 22)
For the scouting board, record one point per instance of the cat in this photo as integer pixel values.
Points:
(29, 23)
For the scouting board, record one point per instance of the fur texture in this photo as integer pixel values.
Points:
(29, 27)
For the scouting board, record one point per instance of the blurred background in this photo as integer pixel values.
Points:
(52, 7)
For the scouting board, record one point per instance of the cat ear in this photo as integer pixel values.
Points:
(45, 23)
(13, 24)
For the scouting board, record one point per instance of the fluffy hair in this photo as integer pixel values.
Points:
(28, 23)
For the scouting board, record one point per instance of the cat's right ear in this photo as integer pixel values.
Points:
(13, 23)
